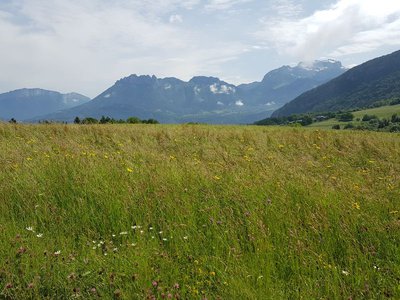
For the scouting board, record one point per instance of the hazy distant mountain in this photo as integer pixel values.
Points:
(202, 99)
(29, 103)
(359, 87)
(284, 84)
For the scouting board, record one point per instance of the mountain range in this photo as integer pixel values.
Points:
(202, 99)
(29, 103)
(359, 87)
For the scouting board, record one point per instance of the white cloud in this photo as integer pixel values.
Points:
(86, 45)
(347, 27)
(175, 19)
(223, 4)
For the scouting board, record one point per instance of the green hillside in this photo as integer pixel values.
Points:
(198, 212)
(359, 87)
(383, 112)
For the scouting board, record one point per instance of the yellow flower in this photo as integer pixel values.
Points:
(212, 273)
(356, 205)
(217, 177)
(129, 170)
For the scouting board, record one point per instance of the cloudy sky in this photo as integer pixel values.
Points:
(86, 45)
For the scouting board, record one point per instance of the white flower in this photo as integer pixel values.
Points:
(164, 239)
(113, 235)
(133, 244)
(160, 232)
(123, 233)
(141, 231)
(94, 247)
(115, 249)
(150, 228)
(57, 252)
(30, 229)
(134, 227)
(39, 235)
(185, 237)
(344, 272)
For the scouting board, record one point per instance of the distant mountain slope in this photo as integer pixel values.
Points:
(29, 103)
(286, 83)
(359, 87)
(202, 99)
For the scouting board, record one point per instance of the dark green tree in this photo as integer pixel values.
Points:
(133, 120)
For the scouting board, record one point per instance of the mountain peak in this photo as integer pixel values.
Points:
(204, 80)
(320, 65)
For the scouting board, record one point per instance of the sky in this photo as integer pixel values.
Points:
(85, 46)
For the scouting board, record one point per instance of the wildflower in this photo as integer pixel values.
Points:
(129, 170)
(150, 228)
(39, 235)
(57, 253)
(217, 177)
(29, 159)
(281, 146)
(185, 237)
(212, 273)
(356, 205)
(344, 272)
(115, 249)
(29, 229)
(123, 233)
(154, 283)
(164, 239)
(134, 227)
(176, 286)
(160, 232)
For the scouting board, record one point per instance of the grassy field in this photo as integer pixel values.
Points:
(198, 212)
(380, 112)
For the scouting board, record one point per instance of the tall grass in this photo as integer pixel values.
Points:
(198, 212)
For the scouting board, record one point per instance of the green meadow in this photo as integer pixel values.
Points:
(383, 112)
(198, 212)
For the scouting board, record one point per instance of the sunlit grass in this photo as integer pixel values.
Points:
(197, 212)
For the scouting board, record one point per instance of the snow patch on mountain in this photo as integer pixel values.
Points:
(221, 89)
(239, 103)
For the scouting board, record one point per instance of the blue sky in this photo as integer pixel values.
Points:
(86, 45)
